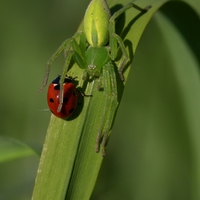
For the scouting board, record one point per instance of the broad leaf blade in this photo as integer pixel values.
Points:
(69, 165)
(154, 152)
(11, 148)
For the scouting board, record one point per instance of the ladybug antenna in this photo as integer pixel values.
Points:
(44, 110)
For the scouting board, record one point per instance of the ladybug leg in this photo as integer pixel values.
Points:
(73, 78)
(84, 95)
(111, 103)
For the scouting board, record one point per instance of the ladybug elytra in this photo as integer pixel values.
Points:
(70, 97)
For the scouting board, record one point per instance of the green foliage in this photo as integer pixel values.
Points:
(12, 149)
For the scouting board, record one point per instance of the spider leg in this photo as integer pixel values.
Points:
(111, 103)
(114, 38)
(62, 78)
(75, 51)
(64, 45)
(125, 57)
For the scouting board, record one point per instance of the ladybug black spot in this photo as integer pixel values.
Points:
(65, 100)
(71, 110)
(57, 87)
(51, 100)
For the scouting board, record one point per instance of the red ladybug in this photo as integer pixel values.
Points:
(70, 97)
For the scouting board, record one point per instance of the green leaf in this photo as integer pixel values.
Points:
(155, 149)
(13, 149)
(69, 165)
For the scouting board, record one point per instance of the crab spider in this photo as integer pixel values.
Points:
(94, 50)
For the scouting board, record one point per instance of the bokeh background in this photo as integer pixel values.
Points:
(154, 151)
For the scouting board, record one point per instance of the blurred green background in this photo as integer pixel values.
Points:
(154, 151)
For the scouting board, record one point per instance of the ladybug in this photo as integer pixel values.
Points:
(70, 97)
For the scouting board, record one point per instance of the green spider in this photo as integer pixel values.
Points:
(94, 50)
